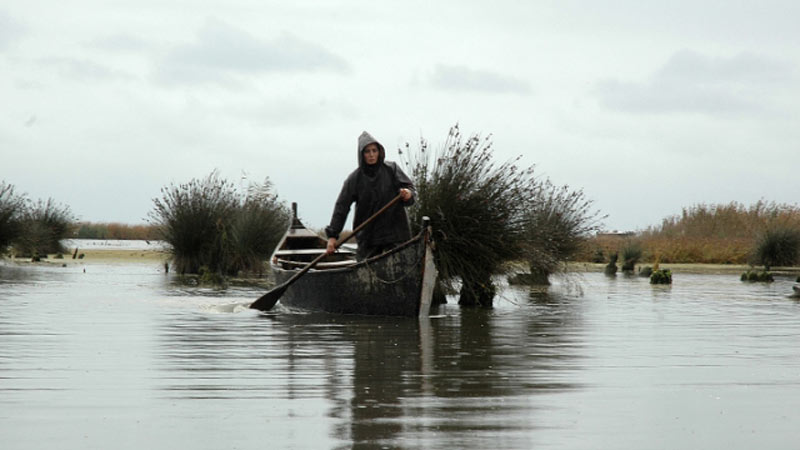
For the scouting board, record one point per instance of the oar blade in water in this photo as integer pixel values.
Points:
(268, 300)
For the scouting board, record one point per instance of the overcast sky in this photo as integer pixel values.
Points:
(648, 106)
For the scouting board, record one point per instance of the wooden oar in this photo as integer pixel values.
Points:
(268, 300)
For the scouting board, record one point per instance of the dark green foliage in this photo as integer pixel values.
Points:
(192, 218)
(476, 209)
(44, 224)
(661, 276)
(209, 224)
(257, 227)
(11, 209)
(558, 221)
(777, 246)
(754, 276)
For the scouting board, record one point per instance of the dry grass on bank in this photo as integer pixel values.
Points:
(103, 256)
(701, 234)
(673, 250)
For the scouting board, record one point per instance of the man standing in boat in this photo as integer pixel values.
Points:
(371, 186)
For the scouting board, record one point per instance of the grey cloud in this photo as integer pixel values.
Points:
(83, 70)
(119, 43)
(10, 30)
(692, 67)
(460, 78)
(221, 51)
(691, 82)
(298, 112)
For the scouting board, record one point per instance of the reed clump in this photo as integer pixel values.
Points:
(558, 222)
(44, 224)
(32, 229)
(611, 267)
(211, 226)
(631, 254)
(476, 210)
(777, 246)
(11, 208)
(485, 214)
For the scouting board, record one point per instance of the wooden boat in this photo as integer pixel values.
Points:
(398, 282)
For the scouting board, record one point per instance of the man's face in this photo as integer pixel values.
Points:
(371, 154)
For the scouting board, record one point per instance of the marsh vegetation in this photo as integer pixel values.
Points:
(11, 206)
(32, 229)
(763, 234)
(486, 214)
(213, 228)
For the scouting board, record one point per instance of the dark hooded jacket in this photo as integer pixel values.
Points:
(372, 187)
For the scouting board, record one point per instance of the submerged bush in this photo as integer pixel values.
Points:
(754, 276)
(777, 246)
(661, 276)
(11, 209)
(476, 209)
(209, 224)
(43, 225)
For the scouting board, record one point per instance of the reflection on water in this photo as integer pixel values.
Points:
(125, 357)
(383, 380)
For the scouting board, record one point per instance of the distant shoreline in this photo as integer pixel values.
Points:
(720, 269)
(100, 256)
(116, 255)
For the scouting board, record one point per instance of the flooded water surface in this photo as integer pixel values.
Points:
(125, 357)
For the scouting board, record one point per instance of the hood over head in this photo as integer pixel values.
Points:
(364, 140)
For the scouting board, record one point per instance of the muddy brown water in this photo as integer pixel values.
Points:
(125, 357)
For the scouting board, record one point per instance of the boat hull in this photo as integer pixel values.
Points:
(397, 283)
